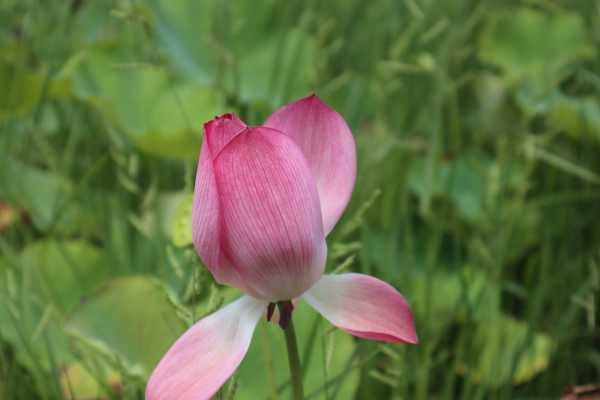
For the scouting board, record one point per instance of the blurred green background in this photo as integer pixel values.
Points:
(478, 131)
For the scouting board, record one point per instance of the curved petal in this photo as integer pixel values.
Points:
(328, 145)
(364, 306)
(271, 219)
(221, 130)
(205, 211)
(201, 360)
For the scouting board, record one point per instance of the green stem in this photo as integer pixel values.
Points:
(294, 361)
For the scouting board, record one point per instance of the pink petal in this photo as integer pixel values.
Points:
(364, 306)
(201, 360)
(271, 219)
(205, 212)
(328, 145)
(221, 130)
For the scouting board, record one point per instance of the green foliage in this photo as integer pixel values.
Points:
(181, 227)
(131, 319)
(143, 102)
(477, 125)
(533, 44)
(328, 354)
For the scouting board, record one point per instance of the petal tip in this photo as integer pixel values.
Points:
(364, 306)
(412, 338)
(219, 119)
(409, 332)
(313, 98)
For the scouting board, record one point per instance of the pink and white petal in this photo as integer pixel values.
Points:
(206, 210)
(201, 360)
(328, 145)
(363, 306)
(271, 218)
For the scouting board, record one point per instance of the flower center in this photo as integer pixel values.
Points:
(285, 309)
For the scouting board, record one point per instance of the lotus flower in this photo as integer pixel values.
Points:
(265, 198)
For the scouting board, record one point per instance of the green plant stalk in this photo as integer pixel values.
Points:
(294, 361)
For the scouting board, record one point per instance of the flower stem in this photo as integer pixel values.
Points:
(294, 361)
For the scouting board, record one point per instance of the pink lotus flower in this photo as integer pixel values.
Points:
(265, 199)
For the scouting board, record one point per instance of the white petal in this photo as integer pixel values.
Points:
(201, 360)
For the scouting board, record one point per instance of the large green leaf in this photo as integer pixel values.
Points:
(63, 273)
(50, 199)
(162, 117)
(21, 88)
(534, 44)
(48, 279)
(131, 319)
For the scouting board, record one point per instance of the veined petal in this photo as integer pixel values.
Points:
(205, 212)
(364, 306)
(221, 130)
(271, 218)
(328, 145)
(201, 360)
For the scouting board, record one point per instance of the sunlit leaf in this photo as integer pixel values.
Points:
(21, 89)
(181, 225)
(579, 118)
(78, 384)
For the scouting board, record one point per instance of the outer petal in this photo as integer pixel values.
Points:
(206, 230)
(328, 145)
(271, 219)
(364, 306)
(201, 360)
(221, 130)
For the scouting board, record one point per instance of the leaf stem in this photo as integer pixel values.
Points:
(294, 361)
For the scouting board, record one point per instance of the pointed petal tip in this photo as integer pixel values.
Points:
(411, 336)
(364, 306)
(405, 334)
(315, 99)
(222, 119)
(387, 338)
